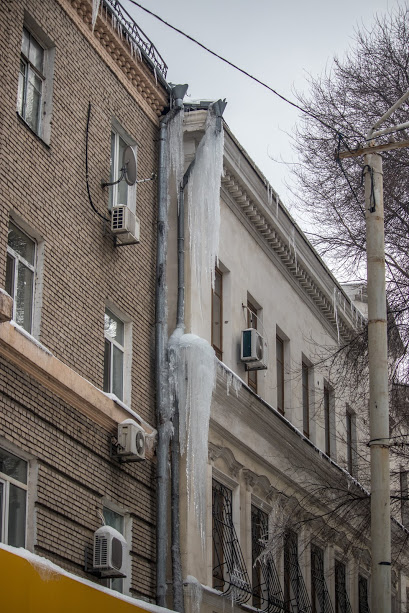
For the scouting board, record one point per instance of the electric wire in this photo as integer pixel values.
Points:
(226, 61)
(86, 167)
(275, 92)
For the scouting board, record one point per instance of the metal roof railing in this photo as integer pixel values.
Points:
(126, 28)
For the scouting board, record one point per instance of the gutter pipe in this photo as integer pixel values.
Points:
(161, 340)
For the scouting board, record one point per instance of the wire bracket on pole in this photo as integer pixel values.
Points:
(372, 203)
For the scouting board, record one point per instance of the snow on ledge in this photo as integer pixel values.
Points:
(30, 337)
(128, 409)
(47, 571)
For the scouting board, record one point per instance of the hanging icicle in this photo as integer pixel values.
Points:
(204, 203)
(269, 195)
(175, 162)
(95, 9)
(196, 381)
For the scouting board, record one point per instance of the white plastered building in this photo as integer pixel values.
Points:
(287, 463)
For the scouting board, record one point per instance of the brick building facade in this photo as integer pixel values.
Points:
(72, 99)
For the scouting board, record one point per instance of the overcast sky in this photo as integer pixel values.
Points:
(280, 42)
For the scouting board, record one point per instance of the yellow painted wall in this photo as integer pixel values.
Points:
(28, 587)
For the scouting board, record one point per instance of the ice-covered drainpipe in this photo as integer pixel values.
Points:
(161, 339)
(178, 600)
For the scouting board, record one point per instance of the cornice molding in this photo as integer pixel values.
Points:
(106, 38)
(281, 248)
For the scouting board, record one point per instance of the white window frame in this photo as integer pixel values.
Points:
(6, 481)
(119, 133)
(127, 534)
(18, 259)
(126, 351)
(43, 127)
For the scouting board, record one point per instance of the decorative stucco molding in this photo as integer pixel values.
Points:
(260, 482)
(122, 53)
(227, 455)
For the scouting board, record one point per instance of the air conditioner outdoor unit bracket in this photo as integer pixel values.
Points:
(116, 452)
(97, 572)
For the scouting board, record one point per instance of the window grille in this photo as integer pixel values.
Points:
(363, 595)
(342, 604)
(295, 593)
(229, 569)
(267, 592)
(320, 599)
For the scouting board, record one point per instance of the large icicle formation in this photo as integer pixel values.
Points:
(196, 381)
(175, 149)
(204, 202)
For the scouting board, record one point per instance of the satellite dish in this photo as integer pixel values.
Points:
(129, 165)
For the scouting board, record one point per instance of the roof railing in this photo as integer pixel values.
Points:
(127, 29)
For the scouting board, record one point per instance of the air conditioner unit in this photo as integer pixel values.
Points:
(125, 225)
(109, 552)
(252, 349)
(131, 440)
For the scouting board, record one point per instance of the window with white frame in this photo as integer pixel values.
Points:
(20, 275)
(13, 499)
(114, 330)
(34, 95)
(120, 192)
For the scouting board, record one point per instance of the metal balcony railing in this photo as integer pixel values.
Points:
(127, 29)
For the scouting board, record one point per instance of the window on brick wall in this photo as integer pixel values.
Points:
(114, 330)
(34, 96)
(20, 275)
(117, 354)
(13, 499)
(120, 193)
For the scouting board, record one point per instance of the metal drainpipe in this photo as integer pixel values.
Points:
(161, 363)
(178, 599)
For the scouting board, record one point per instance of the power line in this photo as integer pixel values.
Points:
(247, 74)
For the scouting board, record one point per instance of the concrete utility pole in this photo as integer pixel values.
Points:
(378, 360)
(378, 387)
